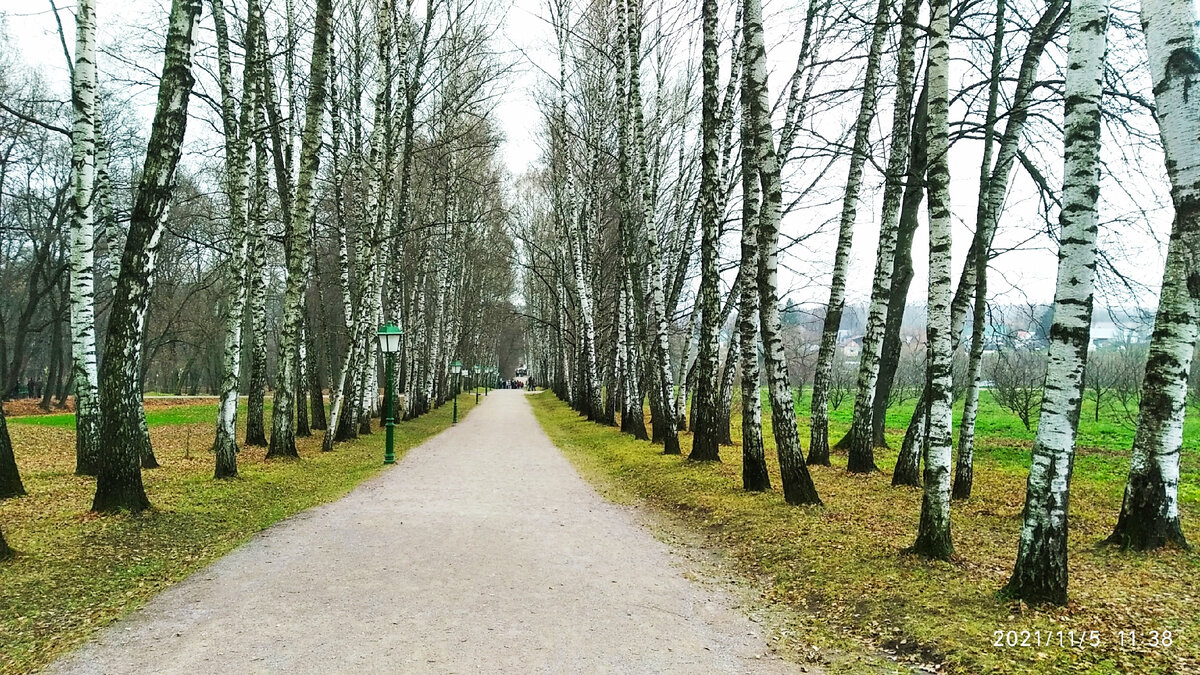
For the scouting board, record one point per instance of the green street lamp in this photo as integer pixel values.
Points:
(456, 371)
(475, 382)
(391, 340)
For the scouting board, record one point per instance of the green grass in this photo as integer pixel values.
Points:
(847, 592)
(1103, 445)
(192, 413)
(77, 572)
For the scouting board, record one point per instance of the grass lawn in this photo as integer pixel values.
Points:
(839, 575)
(77, 572)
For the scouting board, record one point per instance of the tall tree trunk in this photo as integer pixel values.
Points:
(933, 534)
(1150, 511)
(316, 386)
(728, 374)
(706, 429)
(902, 269)
(964, 468)
(237, 186)
(754, 464)
(1040, 573)
(862, 441)
(10, 477)
(302, 428)
(988, 211)
(283, 431)
(798, 487)
(256, 431)
(122, 417)
(823, 373)
(83, 296)
(659, 338)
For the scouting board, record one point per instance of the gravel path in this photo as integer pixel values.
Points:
(482, 551)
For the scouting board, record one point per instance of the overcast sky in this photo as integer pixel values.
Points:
(1027, 274)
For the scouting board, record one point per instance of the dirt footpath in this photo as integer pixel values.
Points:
(481, 551)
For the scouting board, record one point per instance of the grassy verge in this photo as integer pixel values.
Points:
(840, 573)
(77, 572)
(187, 413)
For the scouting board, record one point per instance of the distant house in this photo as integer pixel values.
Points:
(852, 347)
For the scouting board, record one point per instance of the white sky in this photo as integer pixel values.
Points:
(1024, 275)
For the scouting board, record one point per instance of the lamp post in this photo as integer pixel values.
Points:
(390, 341)
(476, 383)
(456, 371)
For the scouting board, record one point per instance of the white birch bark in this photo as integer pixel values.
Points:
(1040, 573)
(964, 467)
(1150, 515)
(237, 186)
(122, 418)
(646, 223)
(798, 487)
(705, 440)
(933, 534)
(819, 407)
(862, 446)
(283, 437)
(83, 179)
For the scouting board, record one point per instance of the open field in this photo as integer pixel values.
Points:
(840, 570)
(77, 571)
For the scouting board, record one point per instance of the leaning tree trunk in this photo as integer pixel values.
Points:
(122, 419)
(902, 268)
(862, 441)
(933, 534)
(728, 374)
(1040, 573)
(964, 468)
(706, 433)
(10, 477)
(798, 486)
(283, 431)
(822, 376)
(1150, 511)
(237, 186)
(83, 297)
(992, 202)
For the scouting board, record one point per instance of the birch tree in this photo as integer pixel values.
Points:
(1149, 517)
(10, 477)
(819, 408)
(862, 440)
(706, 439)
(1040, 573)
(238, 132)
(257, 276)
(283, 430)
(83, 179)
(119, 479)
(987, 218)
(964, 467)
(933, 533)
(798, 487)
